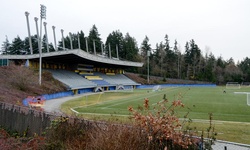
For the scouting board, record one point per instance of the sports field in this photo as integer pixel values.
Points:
(231, 114)
(199, 100)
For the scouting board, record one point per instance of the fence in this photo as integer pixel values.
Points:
(174, 85)
(25, 120)
(22, 119)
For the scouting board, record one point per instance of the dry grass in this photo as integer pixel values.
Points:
(17, 82)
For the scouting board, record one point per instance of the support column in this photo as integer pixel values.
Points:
(70, 39)
(46, 34)
(94, 47)
(79, 44)
(102, 48)
(87, 48)
(63, 40)
(37, 33)
(109, 51)
(53, 27)
(28, 26)
(117, 54)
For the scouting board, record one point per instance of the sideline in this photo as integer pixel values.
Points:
(194, 120)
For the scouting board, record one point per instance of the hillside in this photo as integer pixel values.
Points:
(18, 82)
(142, 79)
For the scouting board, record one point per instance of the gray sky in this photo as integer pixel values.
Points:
(218, 26)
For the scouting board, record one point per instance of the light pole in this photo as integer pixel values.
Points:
(42, 16)
(148, 54)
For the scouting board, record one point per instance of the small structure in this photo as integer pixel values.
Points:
(36, 102)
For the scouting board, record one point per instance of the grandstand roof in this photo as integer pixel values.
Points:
(73, 57)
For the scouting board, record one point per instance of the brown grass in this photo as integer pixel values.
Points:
(18, 82)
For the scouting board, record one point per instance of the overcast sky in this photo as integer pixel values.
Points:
(218, 26)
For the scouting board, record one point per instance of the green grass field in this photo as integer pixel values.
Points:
(224, 106)
(229, 107)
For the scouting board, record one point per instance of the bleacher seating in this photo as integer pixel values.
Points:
(116, 79)
(71, 79)
(93, 78)
(83, 73)
(110, 74)
(75, 80)
(101, 82)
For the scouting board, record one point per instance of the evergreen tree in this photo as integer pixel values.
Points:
(44, 45)
(145, 49)
(115, 39)
(34, 41)
(245, 68)
(192, 59)
(178, 58)
(233, 73)
(5, 49)
(94, 36)
(17, 46)
(82, 40)
(130, 49)
(159, 56)
(209, 69)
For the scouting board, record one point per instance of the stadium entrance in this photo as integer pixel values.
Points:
(4, 62)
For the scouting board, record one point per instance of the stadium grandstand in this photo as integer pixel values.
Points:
(79, 70)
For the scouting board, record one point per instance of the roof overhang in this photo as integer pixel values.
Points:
(74, 56)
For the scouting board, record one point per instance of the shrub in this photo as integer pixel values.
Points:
(116, 137)
(65, 133)
(163, 128)
(8, 142)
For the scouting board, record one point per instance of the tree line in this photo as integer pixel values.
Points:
(165, 60)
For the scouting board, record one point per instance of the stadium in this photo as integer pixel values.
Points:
(77, 68)
(112, 92)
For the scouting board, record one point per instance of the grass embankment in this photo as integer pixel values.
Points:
(18, 82)
(230, 111)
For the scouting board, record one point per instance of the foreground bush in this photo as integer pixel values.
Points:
(163, 128)
(8, 142)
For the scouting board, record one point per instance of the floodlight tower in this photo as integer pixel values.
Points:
(42, 16)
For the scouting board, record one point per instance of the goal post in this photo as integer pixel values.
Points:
(248, 96)
(156, 88)
(124, 88)
(232, 85)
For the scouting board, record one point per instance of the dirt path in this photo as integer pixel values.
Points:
(54, 105)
